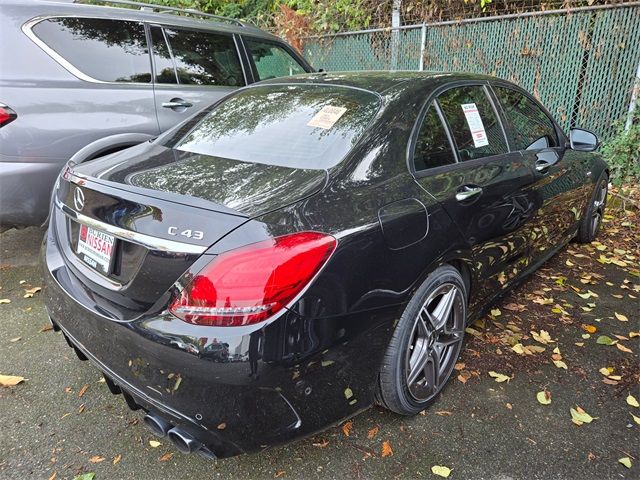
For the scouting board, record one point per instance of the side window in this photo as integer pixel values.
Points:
(165, 71)
(203, 58)
(103, 49)
(272, 60)
(531, 127)
(474, 125)
(432, 144)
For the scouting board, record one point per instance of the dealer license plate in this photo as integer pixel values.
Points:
(95, 248)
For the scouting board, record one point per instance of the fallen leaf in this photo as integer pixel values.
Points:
(589, 328)
(441, 471)
(621, 317)
(176, 386)
(636, 419)
(515, 307)
(96, 459)
(85, 476)
(631, 400)
(346, 428)
(279, 474)
(560, 364)
(29, 292)
(117, 459)
(16, 339)
(459, 366)
(495, 312)
(166, 456)
(626, 461)
(4, 300)
(348, 393)
(579, 416)
(10, 380)
(321, 444)
(542, 337)
(622, 348)
(53, 476)
(499, 377)
(444, 413)
(222, 426)
(544, 397)
(154, 443)
(46, 328)
(386, 449)
(326, 363)
(83, 390)
(373, 432)
(604, 340)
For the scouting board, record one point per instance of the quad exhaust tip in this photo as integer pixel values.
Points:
(157, 425)
(183, 441)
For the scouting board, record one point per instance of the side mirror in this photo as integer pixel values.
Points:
(583, 140)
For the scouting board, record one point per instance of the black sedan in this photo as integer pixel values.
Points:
(310, 246)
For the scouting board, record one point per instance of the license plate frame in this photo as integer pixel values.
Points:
(96, 249)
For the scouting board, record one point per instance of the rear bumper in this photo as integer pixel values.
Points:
(237, 389)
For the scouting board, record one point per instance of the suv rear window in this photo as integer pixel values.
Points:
(103, 49)
(298, 126)
(272, 60)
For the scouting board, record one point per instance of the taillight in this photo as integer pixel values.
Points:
(7, 115)
(253, 283)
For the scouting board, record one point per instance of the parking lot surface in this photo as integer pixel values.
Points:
(62, 421)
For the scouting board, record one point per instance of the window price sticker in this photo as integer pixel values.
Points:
(327, 117)
(476, 126)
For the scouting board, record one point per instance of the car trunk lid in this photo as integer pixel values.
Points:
(162, 211)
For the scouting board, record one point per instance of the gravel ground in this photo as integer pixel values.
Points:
(479, 428)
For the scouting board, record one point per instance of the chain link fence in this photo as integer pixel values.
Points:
(581, 63)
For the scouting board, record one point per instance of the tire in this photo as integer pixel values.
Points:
(427, 339)
(592, 219)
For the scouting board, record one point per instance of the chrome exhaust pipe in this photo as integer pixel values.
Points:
(157, 425)
(183, 441)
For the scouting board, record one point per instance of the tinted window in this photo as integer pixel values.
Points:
(475, 128)
(272, 61)
(432, 145)
(530, 126)
(162, 61)
(205, 58)
(107, 50)
(295, 126)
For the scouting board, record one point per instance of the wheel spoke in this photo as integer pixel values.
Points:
(432, 370)
(447, 338)
(418, 360)
(441, 313)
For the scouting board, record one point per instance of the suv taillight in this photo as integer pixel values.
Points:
(7, 115)
(252, 283)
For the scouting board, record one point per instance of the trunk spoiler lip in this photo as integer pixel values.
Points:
(78, 179)
(147, 241)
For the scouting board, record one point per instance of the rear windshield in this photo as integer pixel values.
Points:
(298, 126)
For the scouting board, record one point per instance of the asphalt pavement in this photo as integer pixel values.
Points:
(62, 421)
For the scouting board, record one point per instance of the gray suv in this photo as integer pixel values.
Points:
(79, 81)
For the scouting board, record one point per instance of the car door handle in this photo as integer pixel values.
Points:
(177, 103)
(467, 193)
(542, 166)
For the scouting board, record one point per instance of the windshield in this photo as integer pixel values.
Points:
(298, 126)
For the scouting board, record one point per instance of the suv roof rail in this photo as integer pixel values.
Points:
(164, 9)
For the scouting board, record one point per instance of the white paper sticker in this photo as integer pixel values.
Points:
(326, 117)
(475, 125)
